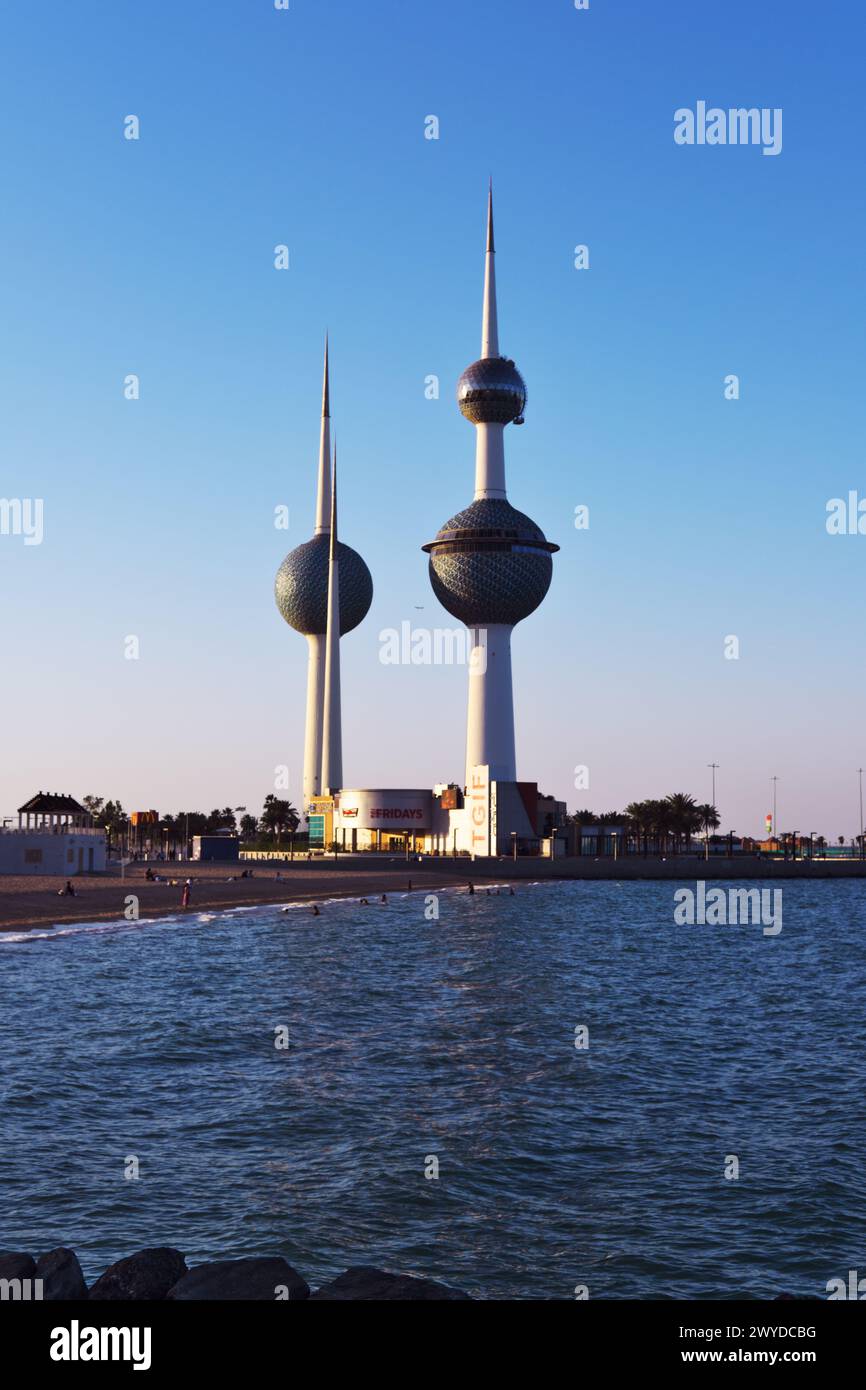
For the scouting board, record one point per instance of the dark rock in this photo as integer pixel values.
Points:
(61, 1276)
(148, 1274)
(364, 1282)
(242, 1279)
(14, 1266)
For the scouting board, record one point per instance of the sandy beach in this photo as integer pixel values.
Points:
(34, 902)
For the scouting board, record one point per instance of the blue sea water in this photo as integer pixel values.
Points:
(412, 1038)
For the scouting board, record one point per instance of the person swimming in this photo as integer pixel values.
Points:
(363, 902)
(384, 898)
(316, 912)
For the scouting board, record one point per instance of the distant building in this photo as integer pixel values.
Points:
(215, 849)
(54, 835)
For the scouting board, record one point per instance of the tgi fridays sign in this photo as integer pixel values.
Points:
(479, 809)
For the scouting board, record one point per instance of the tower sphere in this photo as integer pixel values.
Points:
(301, 588)
(492, 392)
(490, 564)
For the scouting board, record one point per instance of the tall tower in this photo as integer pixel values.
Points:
(301, 591)
(490, 565)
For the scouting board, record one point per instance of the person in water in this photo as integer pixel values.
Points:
(384, 898)
(184, 897)
(363, 902)
(470, 888)
(316, 912)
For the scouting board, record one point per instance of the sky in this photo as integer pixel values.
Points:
(305, 127)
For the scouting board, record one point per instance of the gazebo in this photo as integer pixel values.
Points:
(52, 811)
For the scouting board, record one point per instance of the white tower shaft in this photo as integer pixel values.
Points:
(490, 721)
(315, 711)
(489, 461)
(490, 318)
(323, 492)
(490, 439)
(332, 735)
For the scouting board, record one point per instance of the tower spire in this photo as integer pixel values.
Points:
(332, 733)
(323, 493)
(489, 323)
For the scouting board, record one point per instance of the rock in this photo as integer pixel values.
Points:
(61, 1276)
(148, 1274)
(364, 1282)
(259, 1279)
(13, 1266)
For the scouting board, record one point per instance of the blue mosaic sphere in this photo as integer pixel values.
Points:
(301, 587)
(490, 564)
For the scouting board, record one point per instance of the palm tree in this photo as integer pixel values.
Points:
(709, 818)
(684, 816)
(278, 816)
(641, 815)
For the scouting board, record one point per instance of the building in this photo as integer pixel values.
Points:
(54, 835)
(215, 849)
(490, 566)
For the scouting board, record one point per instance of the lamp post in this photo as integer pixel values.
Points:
(860, 770)
(774, 780)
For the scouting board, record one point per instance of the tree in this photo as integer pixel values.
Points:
(94, 805)
(709, 818)
(249, 827)
(278, 816)
(684, 817)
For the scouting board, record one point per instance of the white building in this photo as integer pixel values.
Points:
(54, 835)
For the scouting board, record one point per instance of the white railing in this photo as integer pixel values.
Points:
(51, 830)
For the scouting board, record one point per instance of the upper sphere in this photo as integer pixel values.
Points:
(492, 392)
(301, 587)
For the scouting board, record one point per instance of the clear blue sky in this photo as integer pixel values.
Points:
(306, 127)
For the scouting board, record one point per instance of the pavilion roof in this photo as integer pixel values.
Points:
(53, 803)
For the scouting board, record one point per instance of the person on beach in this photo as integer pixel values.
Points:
(409, 889)
(68, 891)
(184, 897)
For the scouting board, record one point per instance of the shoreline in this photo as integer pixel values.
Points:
(28, 903)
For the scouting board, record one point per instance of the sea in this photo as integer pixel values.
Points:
(558, 1094)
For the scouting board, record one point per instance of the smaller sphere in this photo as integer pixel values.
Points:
(492, 392)
(301, 588)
